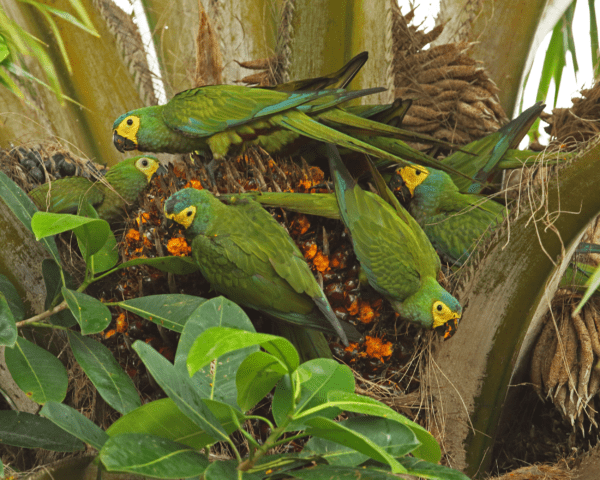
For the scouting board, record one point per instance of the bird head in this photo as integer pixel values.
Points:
(125, 131)
(187, 207)
(446, 316)
(412, 176)
(431, 307)
(147, 165)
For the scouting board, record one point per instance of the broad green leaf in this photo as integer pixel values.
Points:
(22, 429)
(99, 364)
(70, 420)
(91, 314)
(1, 469)
(91, 233)
(107, 257)
(179, 388)
(396, 439)
(338, 433)
(216, 380)
(227, 469)
(24, 209)
(338, 472)
(170, 310)
(37, 372)
(422, 469)
(12, 298)
(178, 265)
(153, 456)
(53, 280)
(164, 419)
(256, 377)
(218, 341)
(8, 326)
(318, 378)
(351, 402)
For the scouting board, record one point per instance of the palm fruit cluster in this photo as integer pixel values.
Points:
(453, 97)
(566, 360)
(389, 344)
(30, 166)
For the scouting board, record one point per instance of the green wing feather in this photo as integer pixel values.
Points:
(204, 111)
(339, 79)
(65, 195)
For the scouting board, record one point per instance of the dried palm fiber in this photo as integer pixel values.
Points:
(578, 123)
(453, 97)
(131, 47)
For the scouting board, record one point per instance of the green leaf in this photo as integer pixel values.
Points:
(338, 472)
(179, 388)
(99, 364)
(164, 419)
(594, 37)
(319, 377)
(338, 433)
(4, 51)
(223, 469)
(423, 469)
(217, 341)
(351, 402)
(37, 372)
(53, 280)
(178, 265)
(70, 420)
(396, 439)
(216, 380)
(91, 314)
(153, 456)
(592, 285)
(12, 298)
(26, 430)
(91, 232)
(107, 257)
(170, 310)
(256, 377)
(8, 326)
(24, 209)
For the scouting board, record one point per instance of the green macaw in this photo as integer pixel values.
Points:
(120, 187)
(453, 221)
(394, 252)
(247, 256)
(220, 119)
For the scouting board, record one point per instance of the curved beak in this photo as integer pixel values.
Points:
(123, 143)
(448, 329)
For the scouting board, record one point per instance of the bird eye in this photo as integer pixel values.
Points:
(129, 121)
(417, 172)
(189, 214)
(439, 307)
(144, 163)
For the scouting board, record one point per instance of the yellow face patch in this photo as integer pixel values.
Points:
(442, 314)
(128, 128)
(413, 177)
(185, 217)
(147, 166)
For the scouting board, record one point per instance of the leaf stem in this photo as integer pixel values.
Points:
(48, 313)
